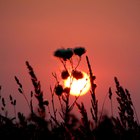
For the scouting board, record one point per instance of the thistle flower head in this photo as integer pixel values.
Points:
(79, 51)
(68, 53)
(65, 54)
(58, 53)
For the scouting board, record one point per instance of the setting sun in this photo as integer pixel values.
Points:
(78, 87)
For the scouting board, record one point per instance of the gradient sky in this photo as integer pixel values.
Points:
(108, 29)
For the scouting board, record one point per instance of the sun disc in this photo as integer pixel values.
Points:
(78, 87)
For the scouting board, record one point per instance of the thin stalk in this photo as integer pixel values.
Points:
(111, 107)
(26, 100)
(15, 112)
(54, 111)
(50, 117)
(78, 63)
(64, 63)
(103, 107)
(71, 62)
(67, 109)
(93, 100)
(136, 114)
(76, 98)
(61, 104)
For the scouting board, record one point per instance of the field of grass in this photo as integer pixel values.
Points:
(44, 124)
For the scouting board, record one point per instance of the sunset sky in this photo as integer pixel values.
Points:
(33, 29)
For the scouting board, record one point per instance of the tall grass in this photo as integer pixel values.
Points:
(44, 124)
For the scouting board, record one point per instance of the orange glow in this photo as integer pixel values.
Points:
(78, 87)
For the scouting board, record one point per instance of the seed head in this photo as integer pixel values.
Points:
(65, 54)
(64, 74)
(67, 90)
(77, 74)
(59, 90)
(79, 51)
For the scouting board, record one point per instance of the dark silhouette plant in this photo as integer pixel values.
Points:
(45, 124)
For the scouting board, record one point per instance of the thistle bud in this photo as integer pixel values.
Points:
(64, 74)
(77, 74)
(59, 90)
(67, 90)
